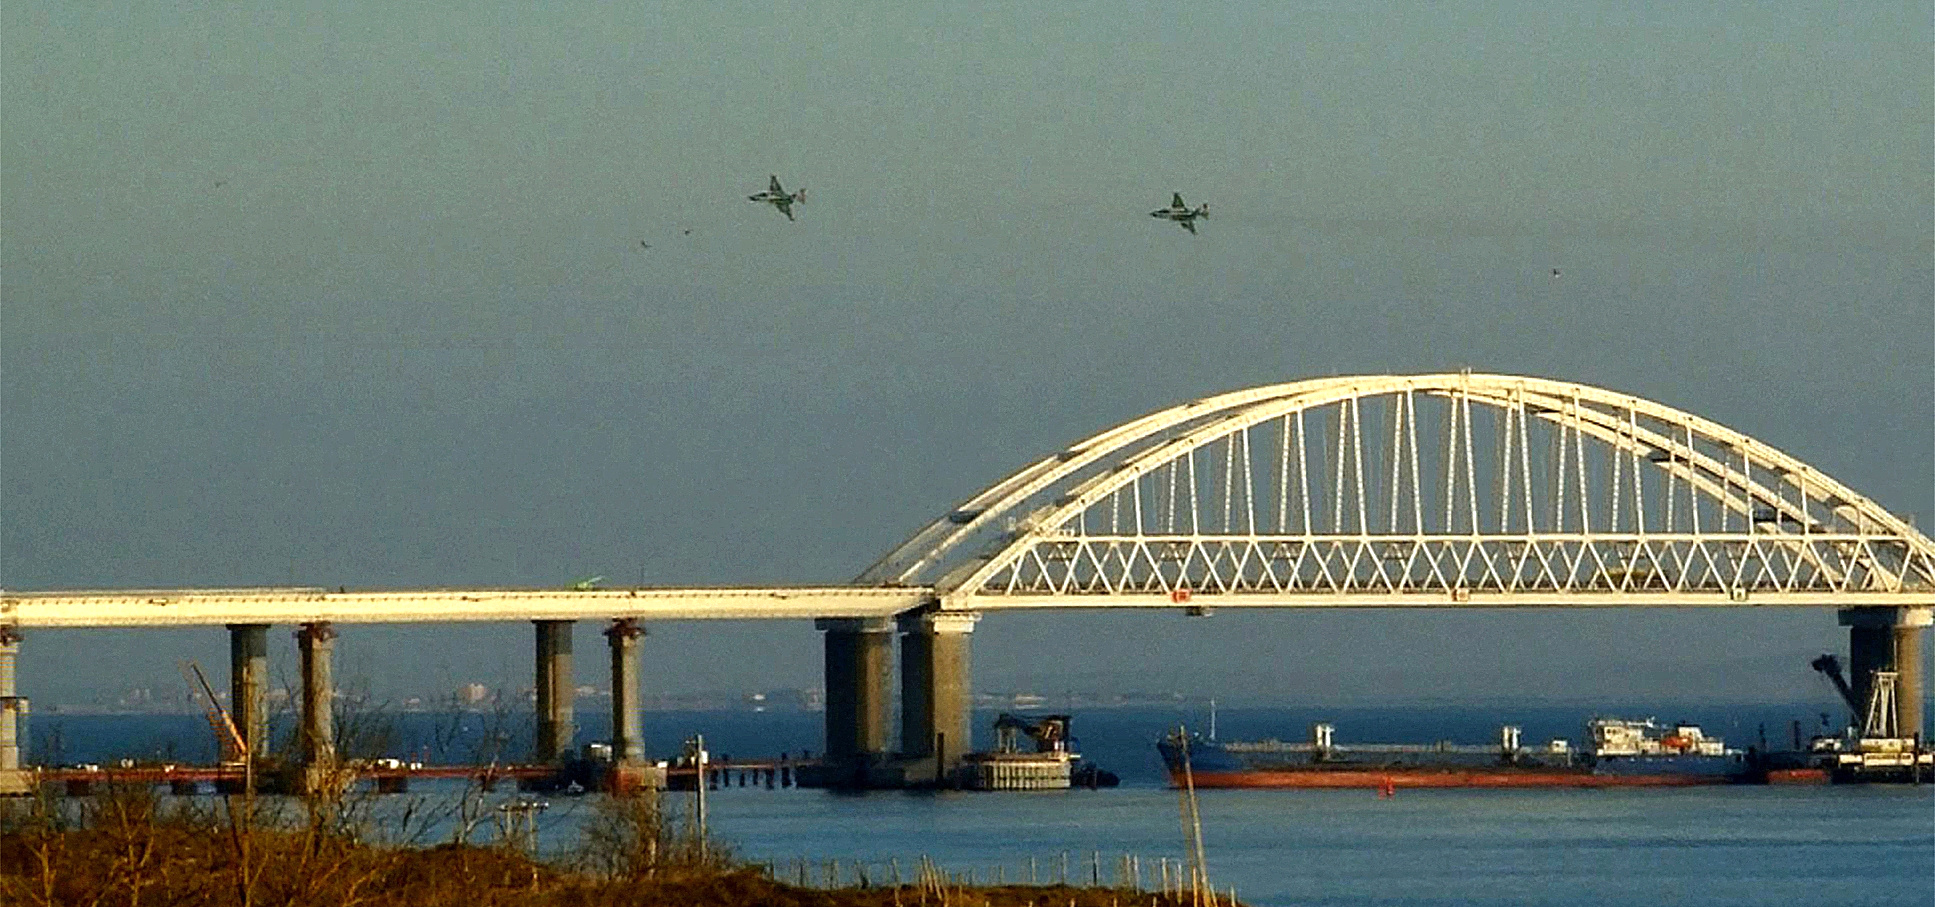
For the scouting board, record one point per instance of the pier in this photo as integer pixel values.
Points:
(1563, 496)
(391, 776)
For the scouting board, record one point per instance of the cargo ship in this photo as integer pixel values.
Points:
(1620, 752)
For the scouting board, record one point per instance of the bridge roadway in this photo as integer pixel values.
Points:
(209, 607)
(154, 608)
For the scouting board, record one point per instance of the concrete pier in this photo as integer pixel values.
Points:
(556, 688)
(859, 689)
(937, 683)
(627, 727)
(1910, 710)
(12, 779)
(1889, 639)
(1871, 648)
(248, 685)
(317, 641)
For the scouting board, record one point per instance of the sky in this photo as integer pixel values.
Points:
(351, 294)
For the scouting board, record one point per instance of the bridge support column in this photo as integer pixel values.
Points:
(317, 642)
(627, 728)
(1889, 639)
(13, 780)
(937, 689)
(859, 688)
(556, 689)
(248, 685)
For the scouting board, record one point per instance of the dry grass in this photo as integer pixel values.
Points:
(128, 848)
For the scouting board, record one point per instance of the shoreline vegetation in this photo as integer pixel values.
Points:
(128, 845)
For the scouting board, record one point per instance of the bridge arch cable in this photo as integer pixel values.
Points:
(1427, 489)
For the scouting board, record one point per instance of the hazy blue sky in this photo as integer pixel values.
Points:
(353, 294)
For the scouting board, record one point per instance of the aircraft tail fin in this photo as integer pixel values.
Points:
(800, 196)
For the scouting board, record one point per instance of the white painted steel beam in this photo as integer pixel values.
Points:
(202, 607)
(1437, 599)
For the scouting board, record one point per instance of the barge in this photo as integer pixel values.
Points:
(1620, 753)
(1053, 764)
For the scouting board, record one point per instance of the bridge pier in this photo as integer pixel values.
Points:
(627, 726)
(13, 780)
(556, 689)
(248, 685)
(936, 689)
(317, 642)
(859, 690)
(1889, 639)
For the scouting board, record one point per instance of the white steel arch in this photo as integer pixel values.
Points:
(1462, 489)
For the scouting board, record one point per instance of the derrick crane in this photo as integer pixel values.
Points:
(1830, 667)
(234, 748)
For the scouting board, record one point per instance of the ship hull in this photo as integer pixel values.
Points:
(1213, 765)
(1798, 776)
(1425, 778)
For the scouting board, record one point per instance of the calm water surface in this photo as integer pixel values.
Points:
(1714, 847)
(1708, 846)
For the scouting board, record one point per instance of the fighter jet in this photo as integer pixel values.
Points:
(1183, 215)
(778, 198)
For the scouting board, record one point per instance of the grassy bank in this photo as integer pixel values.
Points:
(129, 847)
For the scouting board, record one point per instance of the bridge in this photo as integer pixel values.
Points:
(1451, 490)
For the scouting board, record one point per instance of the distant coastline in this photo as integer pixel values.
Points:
(808, 701)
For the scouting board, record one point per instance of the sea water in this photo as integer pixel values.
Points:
(1711, 846)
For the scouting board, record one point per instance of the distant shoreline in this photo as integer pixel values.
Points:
(993, 703)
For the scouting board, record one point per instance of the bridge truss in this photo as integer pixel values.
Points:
(1473, 489)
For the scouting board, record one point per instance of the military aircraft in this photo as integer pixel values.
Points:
(779, 198)
(588, 584)
(1183, 215)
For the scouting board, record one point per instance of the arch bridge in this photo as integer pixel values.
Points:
(1442, 490)
(1427, 490)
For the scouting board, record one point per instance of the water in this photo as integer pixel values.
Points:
(1711, 846)
(1714, 847)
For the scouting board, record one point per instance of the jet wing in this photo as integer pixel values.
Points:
(1176, 201)
(775, 187)
(1186, 225)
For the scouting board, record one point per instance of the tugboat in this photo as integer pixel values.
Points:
(1053, 764)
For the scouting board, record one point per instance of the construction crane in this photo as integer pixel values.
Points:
(1830, 667)
(240, 828)
(1877, 715)
(234, 747)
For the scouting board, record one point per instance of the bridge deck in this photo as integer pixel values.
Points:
(209, 607)
(204, 607)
